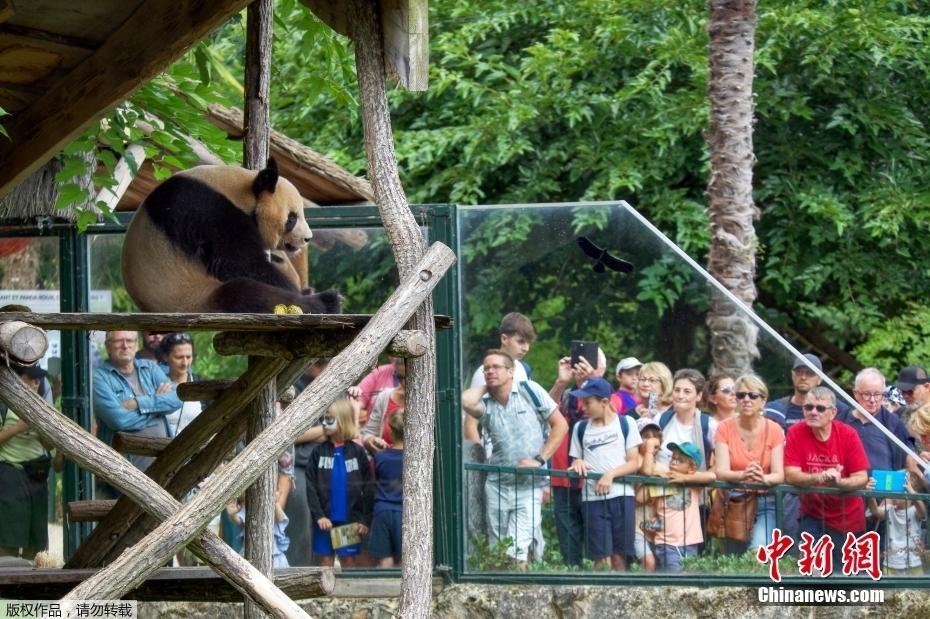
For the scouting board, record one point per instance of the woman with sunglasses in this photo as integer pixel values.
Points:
(178, 351)
(750, 449)
(721, 397)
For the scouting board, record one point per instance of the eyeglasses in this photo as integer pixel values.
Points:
(649, 379)
(679, 460)
(873, 395)
(124, 341)
(752, 395)
(495, 368)
(727, 389)
(820, 408)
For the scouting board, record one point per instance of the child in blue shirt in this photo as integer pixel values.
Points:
(385, 540)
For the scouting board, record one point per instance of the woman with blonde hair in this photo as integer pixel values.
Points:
(654, 389)
(750, 449)
(919, 426)
(339, 482)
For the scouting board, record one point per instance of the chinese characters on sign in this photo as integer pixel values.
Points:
(56, 609)
(859, 554)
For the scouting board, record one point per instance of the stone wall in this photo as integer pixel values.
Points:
(467, 601)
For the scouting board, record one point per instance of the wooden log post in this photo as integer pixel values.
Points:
(201, 464)
(407, 245)
(132, 567)
(260, 496)
(191, 440)
(259, 41)
(81, 447)
(89, 511)
(21, 342)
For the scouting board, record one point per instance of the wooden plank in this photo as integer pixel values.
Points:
(52, 40)
(198, 322)
(88, 511)
(406, 36)
(405, 24)
(154, 35)
(171, 584)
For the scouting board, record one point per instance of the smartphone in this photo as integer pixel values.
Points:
(586, 350)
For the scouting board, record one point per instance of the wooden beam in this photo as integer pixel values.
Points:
(203, 390)
(406, 35)
(406, 344)
(157, 33)
(169, 584)
(198, 322)
(132, 443)
(44, 37)
(132, 568)
(23, 342)
(89, 511)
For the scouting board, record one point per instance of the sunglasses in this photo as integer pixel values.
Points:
(820, 408)
(726, 389)
(752, 395)
(178, 338)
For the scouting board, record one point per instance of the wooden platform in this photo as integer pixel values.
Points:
(198, 322)
(172, 584)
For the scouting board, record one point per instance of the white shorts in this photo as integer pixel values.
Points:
(514, 511)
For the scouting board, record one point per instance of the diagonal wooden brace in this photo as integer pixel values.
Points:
(90, 453)
(135, 565)
(223, 411)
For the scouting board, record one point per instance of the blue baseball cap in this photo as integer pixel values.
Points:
(593, 387)
(689, 449)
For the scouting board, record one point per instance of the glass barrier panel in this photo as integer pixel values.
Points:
(700, 382)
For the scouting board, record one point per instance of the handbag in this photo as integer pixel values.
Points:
(732, 514)
(37, 469)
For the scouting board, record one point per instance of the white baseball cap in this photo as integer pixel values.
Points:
(628, 363)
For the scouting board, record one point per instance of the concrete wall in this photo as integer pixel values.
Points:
(536, 602)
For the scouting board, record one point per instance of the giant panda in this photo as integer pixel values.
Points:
(201, 242)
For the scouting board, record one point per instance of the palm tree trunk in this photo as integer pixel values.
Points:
(732, 257)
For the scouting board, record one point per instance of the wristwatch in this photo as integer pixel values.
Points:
(540, 459)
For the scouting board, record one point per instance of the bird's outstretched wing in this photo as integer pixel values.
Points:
(602, 258)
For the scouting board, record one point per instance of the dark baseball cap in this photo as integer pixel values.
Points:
(596, 387)
(911, 376)
(815, 361)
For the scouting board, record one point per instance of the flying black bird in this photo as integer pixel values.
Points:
(602, 257)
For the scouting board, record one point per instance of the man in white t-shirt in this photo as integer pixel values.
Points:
(607, 444)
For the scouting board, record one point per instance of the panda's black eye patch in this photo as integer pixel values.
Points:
(291, 222)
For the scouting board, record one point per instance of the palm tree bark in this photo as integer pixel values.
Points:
(732, 257)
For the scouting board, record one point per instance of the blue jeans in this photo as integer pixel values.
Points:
(569, 524)
(670, 558)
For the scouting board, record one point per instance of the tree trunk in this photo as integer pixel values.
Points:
(733, 240)
(408, 245)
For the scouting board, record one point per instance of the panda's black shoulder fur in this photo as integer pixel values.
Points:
(205, 225)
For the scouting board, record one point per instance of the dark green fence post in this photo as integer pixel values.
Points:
(447, 482)
(75, 373)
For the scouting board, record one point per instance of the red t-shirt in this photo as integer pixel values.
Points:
(389, 411)
(843, 448)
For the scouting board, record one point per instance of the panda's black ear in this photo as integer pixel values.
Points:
(266, 180)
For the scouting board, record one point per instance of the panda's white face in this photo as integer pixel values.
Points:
(297, 233)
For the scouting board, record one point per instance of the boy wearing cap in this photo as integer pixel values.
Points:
(605, 444)
(624, 398)
(681, 534)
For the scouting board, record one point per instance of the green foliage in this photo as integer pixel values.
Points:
(3, 132)
(746, 563)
